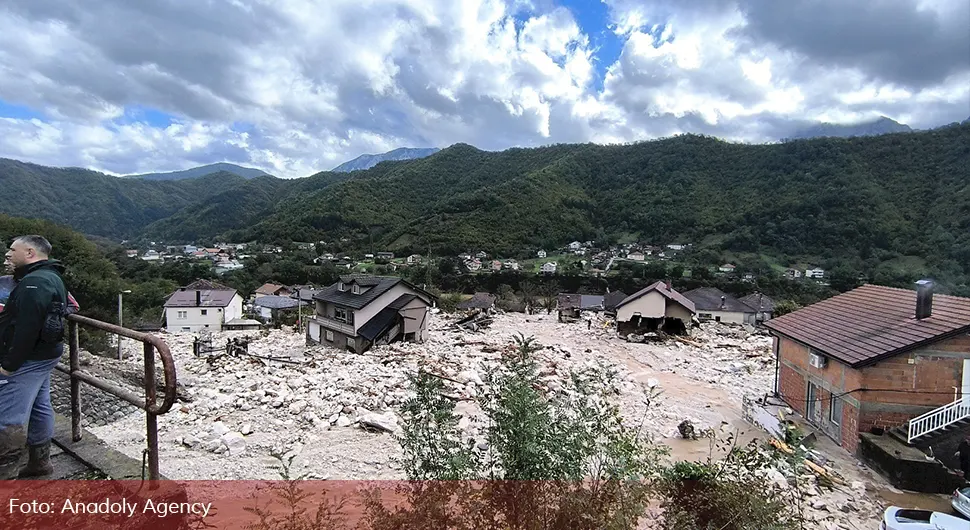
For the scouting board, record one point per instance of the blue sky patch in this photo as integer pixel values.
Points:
(593, 17)
(147, 115)
(19, 112)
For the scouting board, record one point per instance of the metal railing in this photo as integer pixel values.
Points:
(939, 418)
(148, 403)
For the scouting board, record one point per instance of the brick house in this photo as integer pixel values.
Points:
(874, 357)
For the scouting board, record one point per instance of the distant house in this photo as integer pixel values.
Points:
(677, 247)
(548, 267)
(199, 306)
(793, 274)
(189, 249)
(226, 266)
(636, 256)
(272, 289)
(511, 264)
(657, 306)
(763, 305)
(571, 306)
(575, 245)
(360, 311)
(474, 265)
(414, 258)
(727, 267)
(131, 253)
(541, 254)
(151, 255)
(385, 255)
(496, 265)
(481, 301)
(714, 304)
(269, 307)
(815, 273)
(611, 300)
(481, 255)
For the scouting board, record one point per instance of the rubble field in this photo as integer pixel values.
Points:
(332, 410)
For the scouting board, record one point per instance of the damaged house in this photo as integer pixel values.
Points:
(484, 302)
(361, 311)
(714, 304)
(656, 307)
(571, 306)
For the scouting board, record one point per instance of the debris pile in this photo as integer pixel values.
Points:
(333, 410)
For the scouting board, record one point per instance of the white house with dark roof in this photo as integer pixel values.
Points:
(361, 311)
(714, 304)
(203, 305)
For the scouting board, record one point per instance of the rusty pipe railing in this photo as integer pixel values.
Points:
(149, 403)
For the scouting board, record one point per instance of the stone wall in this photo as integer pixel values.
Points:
(97, 407)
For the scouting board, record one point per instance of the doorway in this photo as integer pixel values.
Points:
(814, 405)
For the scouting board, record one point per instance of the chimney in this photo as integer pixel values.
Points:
(670, 286)
(924, 299)
(198, 298)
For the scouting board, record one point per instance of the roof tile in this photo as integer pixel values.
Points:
(872, 322)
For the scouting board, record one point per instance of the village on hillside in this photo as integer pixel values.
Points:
(584, 258)
(849, 380)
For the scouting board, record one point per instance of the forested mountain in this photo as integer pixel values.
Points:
(196, 172)
(882, 125)
(904, 193)
(897, 198)
(99, 204)
(369, 161)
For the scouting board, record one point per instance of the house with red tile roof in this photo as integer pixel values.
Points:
(877, 359)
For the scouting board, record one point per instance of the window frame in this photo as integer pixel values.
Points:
(833, 399)
(328, 336)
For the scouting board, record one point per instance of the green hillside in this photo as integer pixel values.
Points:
(905, 193)
(99, 204)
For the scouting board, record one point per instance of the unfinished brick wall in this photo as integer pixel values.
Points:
(924, 377)
(850, 428)
(792, 388)
(883, 419)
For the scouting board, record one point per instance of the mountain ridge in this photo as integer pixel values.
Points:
(878, 126)
(200, 171)
(368, 161)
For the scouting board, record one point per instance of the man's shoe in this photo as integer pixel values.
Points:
(12, 441)
(39, 461)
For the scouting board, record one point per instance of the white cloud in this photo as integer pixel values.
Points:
(297, 86)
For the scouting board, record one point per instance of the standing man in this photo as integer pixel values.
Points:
(31, 344)
(964, 453)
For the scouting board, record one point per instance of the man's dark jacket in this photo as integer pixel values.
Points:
(31, 324)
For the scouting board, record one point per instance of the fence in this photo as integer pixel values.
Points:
(148, 403)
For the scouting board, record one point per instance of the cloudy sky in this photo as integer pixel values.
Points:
(298, 86)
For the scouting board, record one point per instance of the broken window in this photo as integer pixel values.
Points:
(342, 315)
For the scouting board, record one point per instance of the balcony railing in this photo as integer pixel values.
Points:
(335, 325)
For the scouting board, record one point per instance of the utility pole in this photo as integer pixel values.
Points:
(120, 319)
